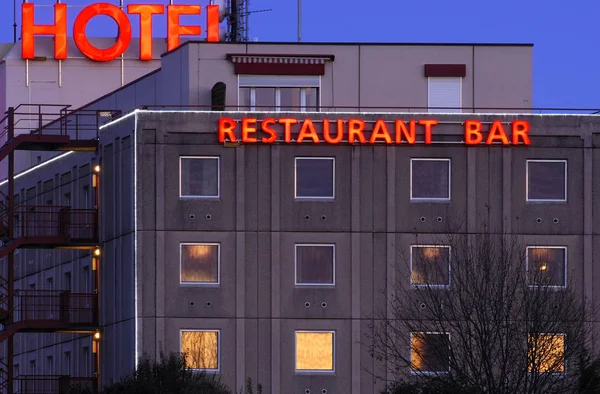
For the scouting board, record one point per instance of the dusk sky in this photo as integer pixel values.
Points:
(564, 33)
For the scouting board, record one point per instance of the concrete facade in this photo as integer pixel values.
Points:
(257, 220)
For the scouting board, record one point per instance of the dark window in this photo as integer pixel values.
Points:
(199, 177)
(546, 266)
(430, 179)
(315, 177)
(315, 264)
(265, 99)
(430, 265)
(430, 352)
(546, 180)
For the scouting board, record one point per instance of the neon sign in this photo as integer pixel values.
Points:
(145, 11)
(356, 131)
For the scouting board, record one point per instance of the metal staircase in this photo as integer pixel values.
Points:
(45, 128)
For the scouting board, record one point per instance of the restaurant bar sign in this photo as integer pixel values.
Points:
(358, 131)
(145, 12)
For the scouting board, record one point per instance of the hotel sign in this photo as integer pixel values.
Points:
(145, 11)
(334, 131)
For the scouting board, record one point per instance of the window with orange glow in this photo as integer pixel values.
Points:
(314, 351)
(201, 349)
(200, 263)
(546, 353)
(546, 266)
(430, 352)
(430, 265)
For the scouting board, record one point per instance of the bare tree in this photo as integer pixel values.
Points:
(483, 314)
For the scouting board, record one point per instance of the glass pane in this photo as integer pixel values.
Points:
(314, 351)
(430, 265)
(244, 99)
(314, 178)
(546, 266)
(314, 264)
(547, 353)
(200, 263)
(201, 349)
(265, 99)
(546, 180)
(430, 352)
(290, 99)
(431, 179)
(312, 99)
(200, 177)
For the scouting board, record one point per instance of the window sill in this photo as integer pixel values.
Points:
(426, 286)
(431, 200)
(313, 199)
(316, 372)
(563, 202)
(199, 198)
(550, 287)
(199, 284)
(315, 285)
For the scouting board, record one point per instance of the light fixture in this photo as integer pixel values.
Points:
(97, 252)
(97, 168)
(97, 335)
(544, 267)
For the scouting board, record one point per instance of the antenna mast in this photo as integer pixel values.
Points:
(14, 21)
(238, 19)
(299, 20)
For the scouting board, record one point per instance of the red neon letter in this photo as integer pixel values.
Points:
(212, 23)
(287, 129)
(380, 130)
(175, 31)
(411, 136)
(226, 128)
(327, 132)
(29, 30)
(248, 127)
(145, 11)
(473, 132)
(308, 131)
(112, 11)
(520, 128)
(428, 125)
(265, 127)
(497, 133)
(355, 129)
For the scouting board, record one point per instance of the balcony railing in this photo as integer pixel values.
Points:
(71, 309)
(51, 384)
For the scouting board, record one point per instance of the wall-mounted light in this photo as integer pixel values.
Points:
(97, 336)
(97, 168)
(97, 252)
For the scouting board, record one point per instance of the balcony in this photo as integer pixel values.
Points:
(51, 384)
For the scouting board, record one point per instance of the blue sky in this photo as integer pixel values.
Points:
(564, 33)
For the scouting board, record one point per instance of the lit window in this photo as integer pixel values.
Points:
(315, 177)
(430, 179)
(444, 94)
(430, 352)
(279, 93)
(546, 265)
(200, 263)
(314, 350)
(546, 353)
(430, 265)
(199, 177)
(315, 264)
(201, 349)
(546, 180)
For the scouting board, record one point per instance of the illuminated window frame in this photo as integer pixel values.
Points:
(296, 266)
(431, 199)
(218, 369)
(218, 245)
(418, 372)
(559, 287)
(332, 197)
(452, 110)
(278, 82)
(193, 197)
(333, 353)
(564, 359)
(527, 180)
(444, 286)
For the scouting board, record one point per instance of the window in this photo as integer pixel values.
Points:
(430, 265)
(199, 177)
(87, 361)
(279, 93)
(86, 197)
(200, 263)
(67, 281)
(430, 352)
(546, 180)
(16, 370)
(430, 179)
(50, 365)
(444, 94)
(546, 353)
(86, 279)
(68, 363)
(547, 265)
(315, 351)
(32, 367)
(67, 199)
(201, 349)
(315, 177)
(50, 283)
(315, 264)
